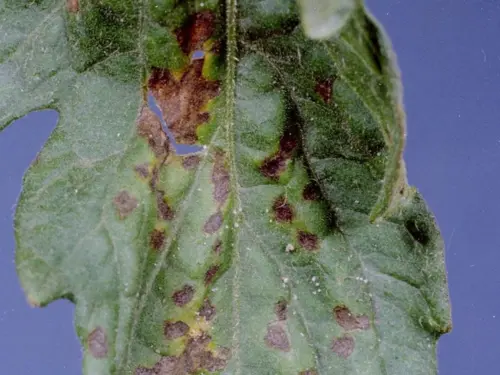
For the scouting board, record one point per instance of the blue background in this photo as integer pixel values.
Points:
(449, 53)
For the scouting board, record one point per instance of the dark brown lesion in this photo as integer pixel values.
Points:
(350, 321)
(281, 309)
(343, 346)
(311, 192)
(213, 223)
(157, 239)
(273, 166)
(183, 296)
(165, 212)
(174, 330)
(220, 178)
(182, 100)
(149, 127)
(308, 241)
(211, 274)
(324, 88)
(283, 211)
(207, 310)
(277, 337)
(190, 162)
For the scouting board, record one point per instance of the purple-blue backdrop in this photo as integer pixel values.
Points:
(449, 53)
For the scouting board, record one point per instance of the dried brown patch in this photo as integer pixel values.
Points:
(349, 321)
(142, 170)
(149, 127)
(311, 192)
(277, 337)
(195, 358)
(183, 296)
(174, 330)
(218, 246)
(125, 203)
(191, 161)
(308, 241)
(324, 89)
(220, 179)
(273, 166)
(343, 346)
(181, 101)
(283, 210)
(308, 372)
(157, 239)
(211, 273)
(213, 223)
(98, 343)
(207, 310)
(197, 30)
(164, 210)
(281, 309)
(73, 6)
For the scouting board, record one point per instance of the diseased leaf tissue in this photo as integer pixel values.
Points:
(289, 244)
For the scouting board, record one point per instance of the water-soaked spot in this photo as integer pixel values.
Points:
(157, 239)
(349, 321)
(274, 165)
(164, 210)
(308, 241)
(125, 203)
(73, 6)
(343, 346)
(191, 161)
(149, 127)
(311, 192)
(142, 170)
(218, 246)
(207, 310)
(324, 89)
(281, 308)
(211, 273)
(175, 330)
(183, 296)
(419, 229)
(220, 178)
(182, 101)
(277, 337)
(98, 343)
(213, 223)
(283, 210)
(198, 28)
(308, 372)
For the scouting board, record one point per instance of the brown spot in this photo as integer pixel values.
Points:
(125, 203)
(210, 274)
(183, 296)
(311, 192)
(308, 372)
(164, 210)
(218, 246)
(142, 170)
(213, 223)
(220, 179)
(324, 89)
(195, 358)
(156, 239)
(191, 162)
(198, 28)
(343, 346)
(72, 5)
(277, 337)
(283, 211)
(349, 321)
(308, 240)
(97, 343)
(175, 330)
(149, 127)
(207, 310)
(273, 166)
(281, 309)
(181, 101)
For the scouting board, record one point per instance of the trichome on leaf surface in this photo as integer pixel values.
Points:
(290, 243)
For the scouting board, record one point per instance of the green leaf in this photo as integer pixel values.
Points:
(322, 19)
(289, 244)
